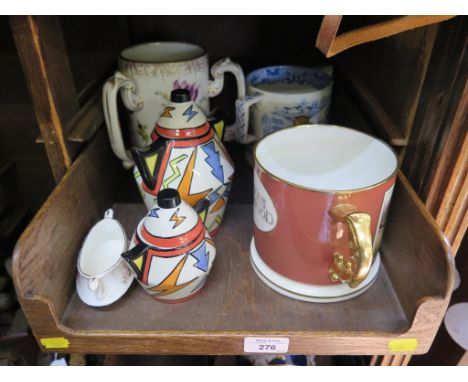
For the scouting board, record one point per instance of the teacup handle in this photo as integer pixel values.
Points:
(353, 271)
(119, 82)
(95, 286)
(241, 133)
(216, 86)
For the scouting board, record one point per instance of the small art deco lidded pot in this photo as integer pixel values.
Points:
(172, 252)
(186, 155)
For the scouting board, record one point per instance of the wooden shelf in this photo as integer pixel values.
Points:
(84, 124)
(330, 44)
(408, 300)
(234, 299)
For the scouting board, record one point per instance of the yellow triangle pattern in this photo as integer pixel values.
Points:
(138, 262)
(202, 215)
(219, 204)
(151, 162)
(219, 127)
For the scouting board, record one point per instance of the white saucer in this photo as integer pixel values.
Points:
(309, 292)
(114, 286)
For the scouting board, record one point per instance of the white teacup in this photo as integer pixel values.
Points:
(283, 96)
(103, 277)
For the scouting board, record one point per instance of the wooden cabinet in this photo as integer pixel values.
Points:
(402, 309)
(385, 87)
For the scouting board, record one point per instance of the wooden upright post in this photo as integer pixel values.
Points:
(43, 55)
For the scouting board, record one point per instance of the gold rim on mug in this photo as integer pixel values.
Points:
(318, 189)
(203, 52)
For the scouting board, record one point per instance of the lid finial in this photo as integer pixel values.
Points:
(180, 96)
(168, 198)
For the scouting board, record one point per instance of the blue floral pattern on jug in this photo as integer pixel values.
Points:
(288, 75)
(307, 100)
(284, 116)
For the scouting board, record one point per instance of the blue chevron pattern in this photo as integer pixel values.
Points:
(153, 213)
(202, 257)
(190, 113)
(214, 161)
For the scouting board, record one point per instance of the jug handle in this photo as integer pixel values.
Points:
(353, 271)
(148, 161)
(241, 131)
(216, 86)
(119, 82)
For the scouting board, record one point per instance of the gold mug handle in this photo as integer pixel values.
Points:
(353, 271)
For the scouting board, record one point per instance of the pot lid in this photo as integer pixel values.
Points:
(170, 222)
(180, 113)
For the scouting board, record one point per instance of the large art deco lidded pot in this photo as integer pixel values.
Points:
(186, 155)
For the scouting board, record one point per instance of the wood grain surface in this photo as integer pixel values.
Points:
(387, 83)
(450, 186)
(44, 261)
(439, 129)
(87, 120)
(417, 235)
(373, 108)
(42, 52)
(331, 44)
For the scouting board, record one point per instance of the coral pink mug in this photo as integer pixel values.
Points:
(321, 195)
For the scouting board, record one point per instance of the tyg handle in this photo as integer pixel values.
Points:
(217, 71)
(126, 86)
(353, 271)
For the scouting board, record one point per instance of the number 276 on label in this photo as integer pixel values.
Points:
(266, 345)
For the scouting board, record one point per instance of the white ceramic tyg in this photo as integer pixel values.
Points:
(103, 277)
(283, 96)
(147, 74)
